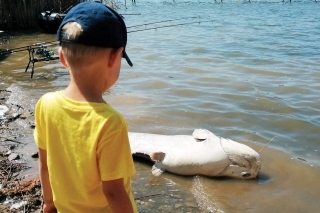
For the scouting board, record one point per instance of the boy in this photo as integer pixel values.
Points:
(84, 153)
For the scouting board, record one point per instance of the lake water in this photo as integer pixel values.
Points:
(247, 71)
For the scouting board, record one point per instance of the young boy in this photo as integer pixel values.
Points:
(84, 152)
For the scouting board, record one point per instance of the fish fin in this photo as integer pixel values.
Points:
(157, 156)
(157, 169)
(201, 134)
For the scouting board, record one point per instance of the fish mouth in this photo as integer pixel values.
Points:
(254, 167)
(247, 170)
(245, 174)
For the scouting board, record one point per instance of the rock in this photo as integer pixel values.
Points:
(2, 96)
(8, 153)
(178, 205)
(18, 205)
(13, 156)
(25, 115)
(10, 138)
(35, 155)
(3, 111)
(13, 116)
(32, 124)
(192, 204)
(3, 150)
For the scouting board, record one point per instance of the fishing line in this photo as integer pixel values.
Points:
(173, 25)
(267, 144)
(157, 22)
(48, 55)
(49, 43)
(130, 14)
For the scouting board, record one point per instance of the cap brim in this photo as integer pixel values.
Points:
(124, 55)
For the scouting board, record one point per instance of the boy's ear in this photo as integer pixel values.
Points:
(114, 55)
(62, 59)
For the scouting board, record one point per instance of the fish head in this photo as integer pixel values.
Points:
(244, 161)
(241, 172)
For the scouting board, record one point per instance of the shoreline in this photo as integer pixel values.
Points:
(17, 192)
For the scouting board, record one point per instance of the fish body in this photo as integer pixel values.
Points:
(201, 153)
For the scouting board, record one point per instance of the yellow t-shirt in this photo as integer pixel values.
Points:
(86, 143)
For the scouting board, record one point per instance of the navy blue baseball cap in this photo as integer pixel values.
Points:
(101, 25)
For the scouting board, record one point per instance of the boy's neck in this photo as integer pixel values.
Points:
(77, 93)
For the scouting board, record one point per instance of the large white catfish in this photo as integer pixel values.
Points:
(203, 153)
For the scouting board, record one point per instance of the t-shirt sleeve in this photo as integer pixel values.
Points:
(114, 153)
(40, 142)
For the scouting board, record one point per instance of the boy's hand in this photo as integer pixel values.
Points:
(49, 208)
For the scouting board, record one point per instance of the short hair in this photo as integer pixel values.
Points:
(73, 30)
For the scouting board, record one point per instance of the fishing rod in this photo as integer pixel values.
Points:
(45, 54)
(36, 45)
(49, 43)
(40, 49)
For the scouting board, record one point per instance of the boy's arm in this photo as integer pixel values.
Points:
(48, 206)
(117, 196)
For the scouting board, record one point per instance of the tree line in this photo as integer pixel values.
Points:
(23, 14)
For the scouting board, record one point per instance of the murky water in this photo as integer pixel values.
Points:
(249, 74)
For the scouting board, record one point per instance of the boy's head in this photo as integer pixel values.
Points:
(95, 25)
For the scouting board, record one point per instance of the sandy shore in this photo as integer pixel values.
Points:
(17, 193)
